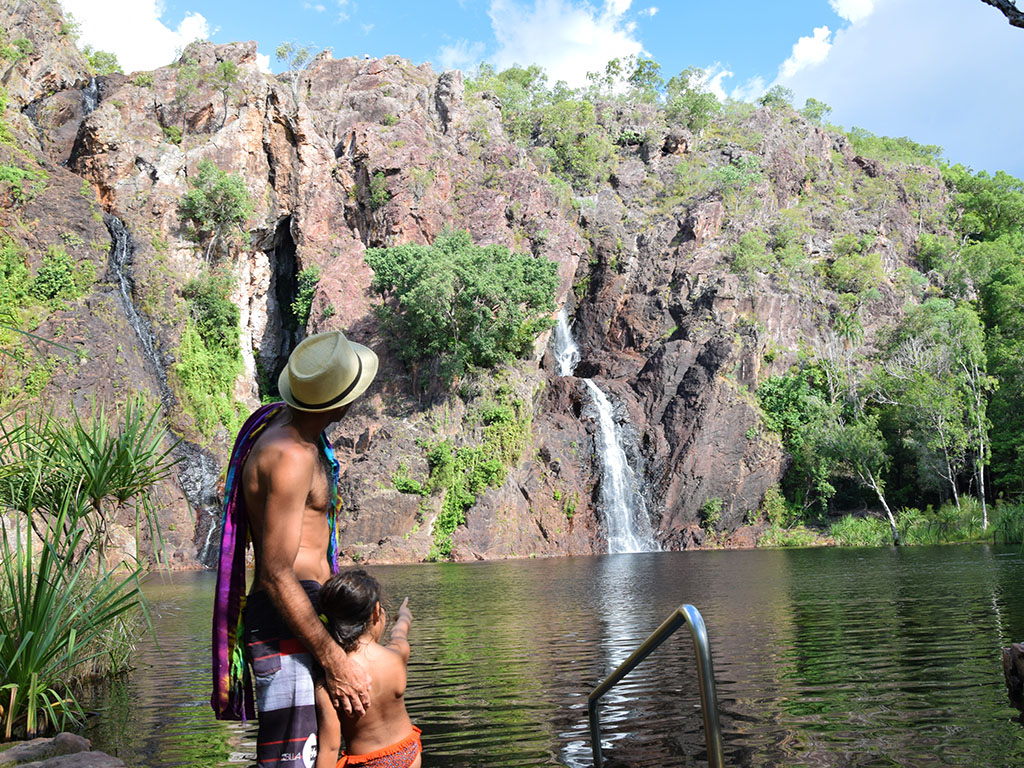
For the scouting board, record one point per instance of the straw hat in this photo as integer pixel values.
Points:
(326, 371)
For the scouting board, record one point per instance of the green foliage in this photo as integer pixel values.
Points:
(851, 531)
(60, 278)
(750, 253)
(688, 101)
(406, 484)
(224, 79)
(56, 620)
(102, 63)
(893, 150)
(856, 269)
(61, 620)
(777, 96)
(462, 473)
(577, 149)
(6, 137)
(216, 207)
(389, 120)
(186, 84)
(522, 91)
(143, 80)
(308, 279)
(379, 193)
(172, 133)
(710, 514)
(16, 50)
(739, 174)
(454, 304)
(13, 180)
(816, 111)
(209, 357)
(1008, 523)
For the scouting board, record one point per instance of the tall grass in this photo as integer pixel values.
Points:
(64, 614)
(54, 610)
(108, 467)
(1008, 523)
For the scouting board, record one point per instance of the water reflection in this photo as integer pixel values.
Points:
(822, 658)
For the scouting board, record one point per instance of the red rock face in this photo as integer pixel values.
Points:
(354, 154)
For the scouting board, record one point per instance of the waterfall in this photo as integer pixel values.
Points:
(567, 353)
(627, 525)
(90, 96)
(198, 473)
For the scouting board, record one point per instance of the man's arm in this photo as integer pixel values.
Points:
(288, 482)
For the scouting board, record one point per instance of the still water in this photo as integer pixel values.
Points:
(827, 657)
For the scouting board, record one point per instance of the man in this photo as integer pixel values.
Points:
(281, 490)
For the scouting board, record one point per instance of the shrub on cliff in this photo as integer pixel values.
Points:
(453, 304)
(209, 357)
(215, 209)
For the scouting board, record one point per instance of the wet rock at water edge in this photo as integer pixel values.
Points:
(1013, 669)
(65, 750)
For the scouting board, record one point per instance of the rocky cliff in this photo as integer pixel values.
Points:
(351, 154)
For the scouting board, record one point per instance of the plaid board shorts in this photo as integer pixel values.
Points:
(283, 672)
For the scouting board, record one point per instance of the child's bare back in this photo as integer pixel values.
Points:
(384, 735)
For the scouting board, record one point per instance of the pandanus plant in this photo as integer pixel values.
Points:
(55, 615)
(106, 467)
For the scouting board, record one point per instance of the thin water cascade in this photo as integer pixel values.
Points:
(90, 97)
(198, 469)
(627, 524)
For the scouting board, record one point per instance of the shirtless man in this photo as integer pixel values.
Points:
(282, 486)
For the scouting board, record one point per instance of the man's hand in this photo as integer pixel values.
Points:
(346, 682)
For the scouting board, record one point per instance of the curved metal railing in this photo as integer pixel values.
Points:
(684, 614)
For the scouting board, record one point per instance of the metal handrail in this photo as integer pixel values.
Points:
(705, 670)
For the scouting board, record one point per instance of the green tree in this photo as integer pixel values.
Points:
(856, 447)
(453, 304)
(933, 374)
(186, 84)
(777, 96)
(687, 100)
(224, 78)
(101, 62)
(644, 79)
(296, 58)
(578, 149)
(816, 111)
(521, 90)
(216, 207)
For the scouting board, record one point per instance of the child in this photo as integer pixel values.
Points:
(384, 737)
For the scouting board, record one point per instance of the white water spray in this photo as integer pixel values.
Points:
(627, 525)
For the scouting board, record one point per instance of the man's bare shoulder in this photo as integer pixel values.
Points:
(278, 450)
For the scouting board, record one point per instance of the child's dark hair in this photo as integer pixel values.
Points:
(347, 601)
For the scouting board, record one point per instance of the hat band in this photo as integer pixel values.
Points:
(335, 399)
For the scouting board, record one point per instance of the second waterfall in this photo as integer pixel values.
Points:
(623, 510)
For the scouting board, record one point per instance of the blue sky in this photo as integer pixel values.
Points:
(943, 72)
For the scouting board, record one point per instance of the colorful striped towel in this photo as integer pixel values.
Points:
(232, 697)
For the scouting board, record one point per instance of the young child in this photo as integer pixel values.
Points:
(384, 737)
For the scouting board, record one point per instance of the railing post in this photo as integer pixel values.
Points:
(705, 672)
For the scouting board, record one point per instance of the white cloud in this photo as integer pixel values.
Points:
(344, 9)
(652, 11)
(750, 90)
(808, 51)
(318, 7)
(133, 30)
(462, 55)
(854, 11)
(263, 62)
(940, 73)
(367, 28)
(567, 38)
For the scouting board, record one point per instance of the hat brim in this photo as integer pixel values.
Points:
(366, 376)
